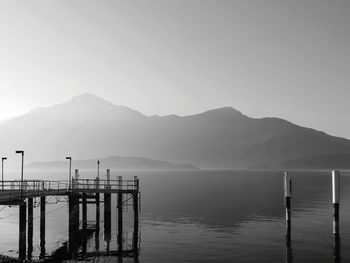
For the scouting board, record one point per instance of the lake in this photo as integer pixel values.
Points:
(208, 216)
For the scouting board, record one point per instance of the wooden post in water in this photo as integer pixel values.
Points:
(287, 203)
(30, 228)
(42, 225)
(287, 196)
(336, 249)
(336, 200)
(22, 230)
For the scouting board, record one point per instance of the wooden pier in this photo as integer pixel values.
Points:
(78, 192)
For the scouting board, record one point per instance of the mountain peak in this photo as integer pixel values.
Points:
(86, 106)
(223, 110)
(88, 98)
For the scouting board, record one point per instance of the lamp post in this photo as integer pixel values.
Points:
(70, 171)
(22, 153)
(2, 170)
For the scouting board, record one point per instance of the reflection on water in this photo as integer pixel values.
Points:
(206, 216)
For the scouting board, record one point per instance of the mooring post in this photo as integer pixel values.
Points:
(42, 225)
(22, 230)
(84, 208)
(30, 228)
(336, 249)
(287, 200)
(336, 200)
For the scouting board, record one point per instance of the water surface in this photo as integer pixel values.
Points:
(209, 216)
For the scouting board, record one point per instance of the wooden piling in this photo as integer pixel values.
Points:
(71, 228)
(97, 199)
(107, 203)
(136, 223)
(22, 230)
(30, 228)
(107, 213)
(136, 217)
(336, 200)
(76, 212)
(73, 222)
(336, 249)
(42, 225)
(84, 210)
(287, 202)
(287, 197)
(120, 217)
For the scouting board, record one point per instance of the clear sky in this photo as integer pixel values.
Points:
(288, 59)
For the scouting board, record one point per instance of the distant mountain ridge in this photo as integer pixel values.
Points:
(88, 126)
(113, 162)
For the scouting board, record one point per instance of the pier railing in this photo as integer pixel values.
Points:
(63, 185)
(93, 184)
(33, 185)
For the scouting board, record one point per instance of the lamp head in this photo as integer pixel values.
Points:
(68, 158)
(4, 158)
(21, 152)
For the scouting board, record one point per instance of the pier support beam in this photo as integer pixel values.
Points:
(30, 228)
(97, 212)
(120, 222)
(97, 199)
(42, 225)
(107, 218)
(84, 209)
(336, 201)
(136, 223)
(107, 212)
(73, 221)
(22, 230)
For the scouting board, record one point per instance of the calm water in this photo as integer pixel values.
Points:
(210, 216)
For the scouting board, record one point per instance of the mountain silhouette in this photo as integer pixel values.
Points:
(113, 162)
(88, 126)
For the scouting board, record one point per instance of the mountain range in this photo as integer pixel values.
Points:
(113, 162)
(87, 126)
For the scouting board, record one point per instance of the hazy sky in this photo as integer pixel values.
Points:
(289, 59)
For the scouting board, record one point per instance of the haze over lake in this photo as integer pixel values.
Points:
(174, 131)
